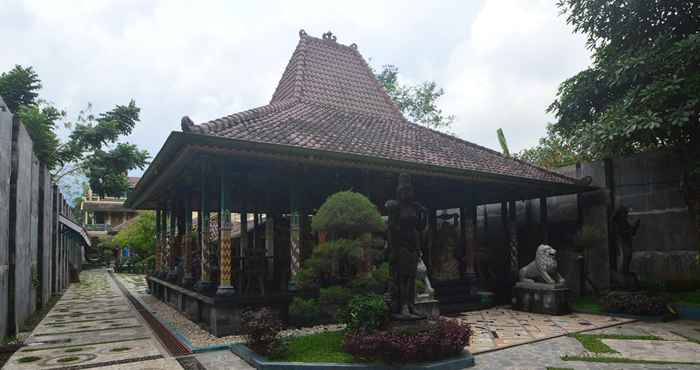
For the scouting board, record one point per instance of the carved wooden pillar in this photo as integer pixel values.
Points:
(205, 282)
(225, 255)
(173, 240)
(187, 279)
(296, 229)
(158, 251)
(513, 239)
(433, 237)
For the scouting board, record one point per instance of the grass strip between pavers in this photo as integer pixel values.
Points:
(593, 342)
(28, 349)
(604, 359)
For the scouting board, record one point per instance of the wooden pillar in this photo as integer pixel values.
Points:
(513, 239)
(432, 234)
(225, 255)
(172, 240)
(163, 241)
(157, 251)
(296, 229)
(187, 279)
(543, 220)
(462, 248)
(270, 243)
(205, 282)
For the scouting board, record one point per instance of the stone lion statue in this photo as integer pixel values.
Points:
(543, 269)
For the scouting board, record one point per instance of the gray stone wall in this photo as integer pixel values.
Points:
(665, 248)
(22, 157)
(32, 261)
(5, 165)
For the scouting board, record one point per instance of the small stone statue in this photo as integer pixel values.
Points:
(624, 231)
(422, 275)
(407, 219)
(543, 269)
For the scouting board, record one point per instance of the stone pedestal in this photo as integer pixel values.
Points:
(428, 307)
(541, 298)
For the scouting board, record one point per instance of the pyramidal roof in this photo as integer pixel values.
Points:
(329, 99)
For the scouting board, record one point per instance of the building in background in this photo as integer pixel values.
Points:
(106, 215)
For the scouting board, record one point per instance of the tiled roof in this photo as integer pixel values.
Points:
(328, 99)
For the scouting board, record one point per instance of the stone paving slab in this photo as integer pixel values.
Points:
(92, 325)
(501, 327)
(86, 355)
(656, 350)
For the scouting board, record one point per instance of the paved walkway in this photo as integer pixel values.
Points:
(94, 326)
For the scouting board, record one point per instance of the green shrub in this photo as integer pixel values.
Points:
(375, 282)
(347, 214)
(304, 312)
(330, 263)
(335, 295)
(635, 303)
(365, 313)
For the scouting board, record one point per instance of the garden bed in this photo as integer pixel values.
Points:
(316, 359)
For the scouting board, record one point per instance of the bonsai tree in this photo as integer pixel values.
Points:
(347, 215)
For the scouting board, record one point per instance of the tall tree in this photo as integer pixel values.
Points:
(92, 147)
(643, 89)
(552, 151)
(418, 102)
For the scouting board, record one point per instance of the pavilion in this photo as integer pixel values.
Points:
(329, 126)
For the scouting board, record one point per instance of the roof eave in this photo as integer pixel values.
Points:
(179, 141)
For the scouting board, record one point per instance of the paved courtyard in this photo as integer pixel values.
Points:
(95, 326)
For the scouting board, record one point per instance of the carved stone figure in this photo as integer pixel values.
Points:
(624, 231)
(543, 269)
(407, 219)
(422, 275)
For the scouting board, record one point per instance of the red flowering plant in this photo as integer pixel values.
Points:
(430, 342)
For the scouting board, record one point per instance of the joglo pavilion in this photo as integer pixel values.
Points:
(329, 126)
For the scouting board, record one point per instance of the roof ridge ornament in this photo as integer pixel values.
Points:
(353, 45)
(330, 36)
(187, 124)
(302, 33)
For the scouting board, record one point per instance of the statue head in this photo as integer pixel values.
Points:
(404, 191)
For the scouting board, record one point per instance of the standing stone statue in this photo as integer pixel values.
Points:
(624, 231)
(407, 219)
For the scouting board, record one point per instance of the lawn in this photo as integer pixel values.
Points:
(593, 342)
(686, 297)
(587, 304)
(321, 347)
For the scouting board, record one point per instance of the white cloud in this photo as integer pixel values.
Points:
(506, 72)
(499, 61)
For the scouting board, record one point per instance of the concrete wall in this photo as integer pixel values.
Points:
(33, 263)
(21, 220)
(5, 165)
(665, 248)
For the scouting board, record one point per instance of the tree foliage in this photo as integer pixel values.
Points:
(347, 214)
(642, 91)
(553, 150)
(92, 146)
(138, 234)
(418, 102)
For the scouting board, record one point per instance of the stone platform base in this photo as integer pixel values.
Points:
(430, 308)
(541, 298)
(220, 316)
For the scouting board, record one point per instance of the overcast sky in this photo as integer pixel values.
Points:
(499, 61)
